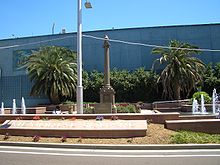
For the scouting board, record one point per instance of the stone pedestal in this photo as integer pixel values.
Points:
(107, 100)
(103, 108)
(107, 95)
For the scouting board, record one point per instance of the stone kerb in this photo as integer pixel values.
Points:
(30, 110)
(158, 118)
(200, 125)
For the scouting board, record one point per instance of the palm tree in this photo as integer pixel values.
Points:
(181, 70)
(53, 71)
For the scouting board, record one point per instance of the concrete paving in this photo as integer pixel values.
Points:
(146, 111)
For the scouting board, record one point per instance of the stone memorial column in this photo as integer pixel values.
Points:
(107, 93)
(106, 64)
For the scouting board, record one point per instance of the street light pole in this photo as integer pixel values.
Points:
(79, 94)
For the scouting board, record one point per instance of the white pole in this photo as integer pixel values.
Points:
(79, 94)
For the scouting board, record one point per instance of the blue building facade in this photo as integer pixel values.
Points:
(14, 82)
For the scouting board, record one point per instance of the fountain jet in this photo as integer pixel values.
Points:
(195, 106)
(203, 109)
(14, 111)
(2, 109)
(214, 101)
(23, 107)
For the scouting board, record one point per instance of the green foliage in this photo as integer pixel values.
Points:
(53, 71)
(89, 110)
(68, 102)
(181, 70)
(139, 85)
(92, 82)
(127, 109)
(197, 96)
(211, 78)
(145, 86)
(121, 81)
(142, 85)
(185, 137)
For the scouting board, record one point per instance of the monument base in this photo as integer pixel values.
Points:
(107, 95)
(103, 108)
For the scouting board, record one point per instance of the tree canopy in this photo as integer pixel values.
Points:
(53, 71)
(181, 70)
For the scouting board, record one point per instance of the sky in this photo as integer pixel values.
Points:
(23, 18)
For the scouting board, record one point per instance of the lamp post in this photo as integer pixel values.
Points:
(79, 90)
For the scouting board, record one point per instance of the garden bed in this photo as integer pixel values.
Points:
(156, 134)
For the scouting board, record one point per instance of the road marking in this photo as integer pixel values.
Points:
(112, 151)
(114, 156)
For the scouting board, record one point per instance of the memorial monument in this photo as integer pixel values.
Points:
(107, 93)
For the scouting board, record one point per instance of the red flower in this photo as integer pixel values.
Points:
(36, 118)
(73, 118)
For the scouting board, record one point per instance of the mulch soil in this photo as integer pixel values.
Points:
(156, 134)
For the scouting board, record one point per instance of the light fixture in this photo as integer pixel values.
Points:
(88, 5)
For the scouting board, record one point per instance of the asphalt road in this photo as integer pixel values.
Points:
(10, 155)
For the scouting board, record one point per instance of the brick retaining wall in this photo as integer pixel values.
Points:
(202, 125)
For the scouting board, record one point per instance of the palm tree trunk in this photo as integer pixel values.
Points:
(54, 99)
(176, 92)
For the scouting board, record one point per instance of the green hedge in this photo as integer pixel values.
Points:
(139, 85)
(127, 109)
(120, 109)
(211, 78)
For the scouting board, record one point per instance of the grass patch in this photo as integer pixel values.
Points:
(184, 137)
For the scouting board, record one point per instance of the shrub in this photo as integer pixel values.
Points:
(114, 117)
(67, 102)
(92, 81)
(18, 118)
(6, 137)
(80, 139)
(36, 138)
(127, 109)
(211, 78)
(130, 86)
(197, 96)
(63, 139)
(89, 110)
(45, 118)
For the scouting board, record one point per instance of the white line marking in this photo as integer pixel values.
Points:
(115, 156)
(112, 151)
